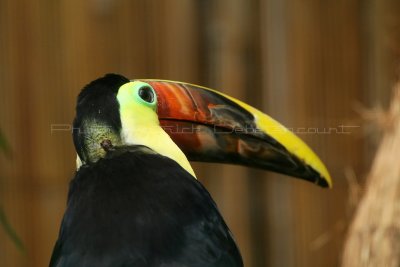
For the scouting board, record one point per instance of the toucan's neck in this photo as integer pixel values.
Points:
(150, 134)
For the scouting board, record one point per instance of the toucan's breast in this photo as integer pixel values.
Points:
(135, 208)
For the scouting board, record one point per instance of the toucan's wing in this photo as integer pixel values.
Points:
(141, 209)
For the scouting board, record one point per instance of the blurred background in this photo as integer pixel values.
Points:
(309, 64)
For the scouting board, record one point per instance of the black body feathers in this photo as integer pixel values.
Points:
(138, 208)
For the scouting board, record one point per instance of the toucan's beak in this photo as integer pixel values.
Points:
(212, 127)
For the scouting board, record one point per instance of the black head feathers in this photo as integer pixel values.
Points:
(97, 116)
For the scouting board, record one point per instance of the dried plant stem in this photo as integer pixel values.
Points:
(374, 234)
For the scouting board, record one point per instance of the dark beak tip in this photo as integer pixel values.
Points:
(322, 182)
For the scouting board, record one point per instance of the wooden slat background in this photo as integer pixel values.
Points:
(306, 63)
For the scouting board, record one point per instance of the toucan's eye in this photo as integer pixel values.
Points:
(147, 94)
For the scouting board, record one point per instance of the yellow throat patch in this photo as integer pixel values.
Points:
(140, 124)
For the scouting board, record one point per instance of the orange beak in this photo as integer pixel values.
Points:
(209, 126)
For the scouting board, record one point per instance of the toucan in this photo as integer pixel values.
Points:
(135, 199)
